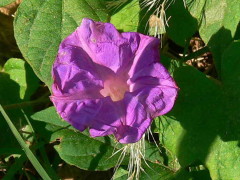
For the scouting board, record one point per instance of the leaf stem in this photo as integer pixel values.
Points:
(197, 53)
(26, 103)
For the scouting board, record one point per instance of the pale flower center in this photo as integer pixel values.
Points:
(115, 88)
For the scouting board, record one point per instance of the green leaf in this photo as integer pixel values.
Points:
(89, 153)
(18, 83)
(203, 128)
(169, 63)
(84, 152)
(155, 173)
(22, 74)
(18, 164)
(181, 24)
(169, 129)
(127, 18)
(200, 124)
(237, 34)
(9, 91)
(230, 64)
(218, 21)
(180, 27)
(120, 174)
(231, 91)
(25, 147)
(50, 116)
(223, 162)
(213, 15)
(40, 26)
(5, 2)
(72, 147)
(150, 173)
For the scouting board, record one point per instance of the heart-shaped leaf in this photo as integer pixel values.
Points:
(218, 21)
(203, 128)
(40, 26)
(81, 150)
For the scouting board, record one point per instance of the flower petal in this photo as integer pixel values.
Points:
(146, 54)
(79, 114)
(152, 75)
(105, 45)
(108, 119)
(73, 70)
(136, 122)
(128, 134)
(75, 73)
(88, 62)
(155, 89)
(157, 100)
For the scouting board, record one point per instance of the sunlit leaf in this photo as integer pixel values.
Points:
(218, 21)
(40, 26)
(22, 74)
(127, 18)
(5, 2)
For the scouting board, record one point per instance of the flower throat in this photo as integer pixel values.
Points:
(115, 88)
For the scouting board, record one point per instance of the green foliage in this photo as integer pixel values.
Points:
(181, 25)
(218, 21)
(41, 25)
(99, 152)
(9, 94)
(18, 84)
(214, 15)
(25, 147)
(72, 147)
(127, 18)
(198, 139)
(210, 138)
(120, 174)
(22, 74)
(5, 2)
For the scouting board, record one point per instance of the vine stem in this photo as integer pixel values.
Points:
(26, 103)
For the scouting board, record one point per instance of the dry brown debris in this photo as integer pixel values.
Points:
(204, 62)
(10, 9)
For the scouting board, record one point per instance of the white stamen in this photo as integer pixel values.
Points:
(136, 153)
(158, 21)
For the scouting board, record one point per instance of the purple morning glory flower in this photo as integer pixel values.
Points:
(111, 82)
